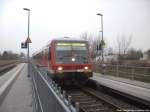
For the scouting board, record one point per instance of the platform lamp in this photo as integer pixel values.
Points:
(28, 40)
(102, 41)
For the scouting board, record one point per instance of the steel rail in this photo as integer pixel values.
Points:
(90, 102)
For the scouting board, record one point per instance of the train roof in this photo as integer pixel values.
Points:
(67, 39)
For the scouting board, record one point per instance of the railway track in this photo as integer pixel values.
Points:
(5, 67)
(93, 97)
(92, 100)
(89, 101)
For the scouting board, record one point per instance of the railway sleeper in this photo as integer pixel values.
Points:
(79, 96)
(95, 107)
(84, 99)
(102, 109)
(87, 103)
(76, 94)
(92, 105)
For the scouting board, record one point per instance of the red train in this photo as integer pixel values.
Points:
(65, 59)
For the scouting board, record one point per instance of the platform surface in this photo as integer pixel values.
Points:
(19, 98)
(7, 75)
(134, 88)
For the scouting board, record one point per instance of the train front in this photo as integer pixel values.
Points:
(72, 60)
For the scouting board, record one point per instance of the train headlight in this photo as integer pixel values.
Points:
(73, 59)
(86, 68)
(59, 68)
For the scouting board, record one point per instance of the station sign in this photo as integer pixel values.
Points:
(28, 40)
(23, 45)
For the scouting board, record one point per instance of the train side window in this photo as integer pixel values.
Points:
(49, 54)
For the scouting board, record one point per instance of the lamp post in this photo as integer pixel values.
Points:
(28, 39)
(102, 41)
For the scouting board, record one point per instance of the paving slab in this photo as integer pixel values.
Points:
(125, 80)
(19, 98)
(7, 75)
(123, 85)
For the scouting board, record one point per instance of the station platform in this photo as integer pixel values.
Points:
(19, 98)
(5, 77)
(131, 87)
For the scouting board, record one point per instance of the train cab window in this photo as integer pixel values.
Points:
(65, 51)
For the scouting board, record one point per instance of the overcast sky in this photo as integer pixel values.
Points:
(58, 18)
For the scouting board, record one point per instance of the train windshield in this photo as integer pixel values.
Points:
(71, 52)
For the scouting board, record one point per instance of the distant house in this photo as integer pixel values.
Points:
(145, 56)
(108, 58)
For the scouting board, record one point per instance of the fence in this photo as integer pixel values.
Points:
(47, 96)
(131, 72)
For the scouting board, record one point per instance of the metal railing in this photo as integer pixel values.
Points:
(131, 72)
(47, 96)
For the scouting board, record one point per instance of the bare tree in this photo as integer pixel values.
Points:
(84, 36)
(88, 37)
(123, 43)
(110, 51)
(22, 54)
(9, 55)
(134, 54)
(126, 43)
(148, 53)
(119, 46)
(92, 41)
